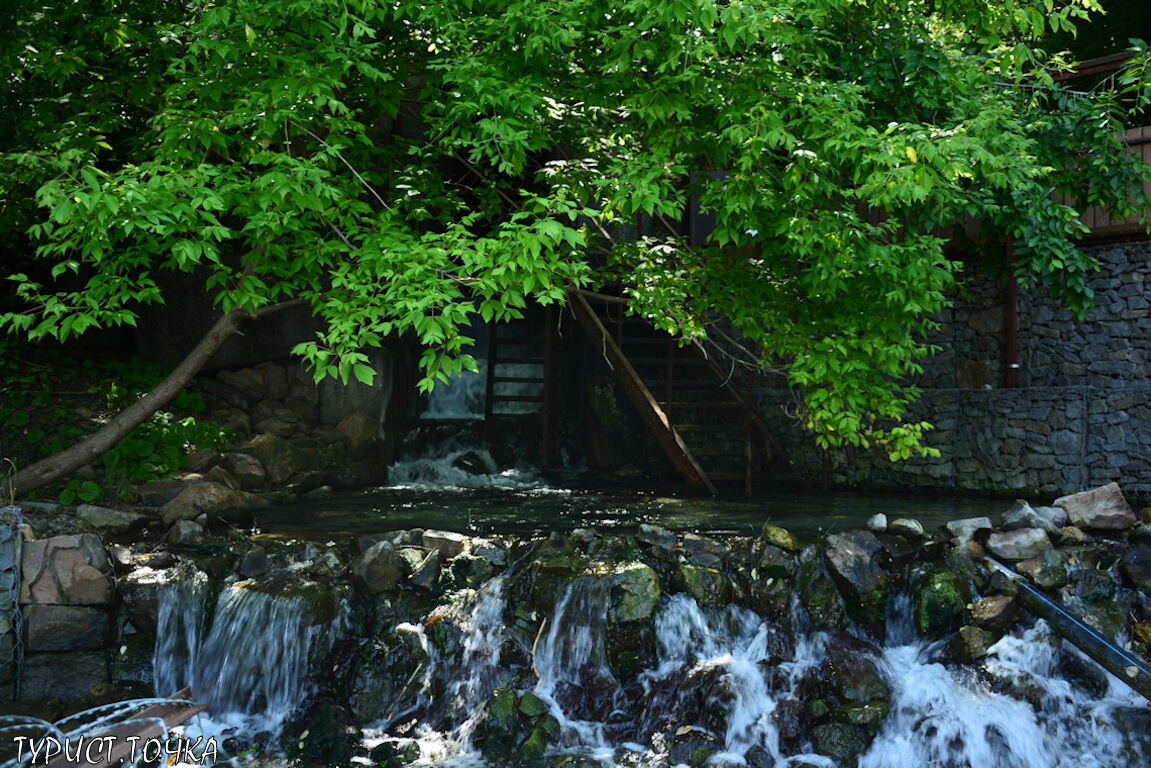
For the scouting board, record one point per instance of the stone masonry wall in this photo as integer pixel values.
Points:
(1079, 417)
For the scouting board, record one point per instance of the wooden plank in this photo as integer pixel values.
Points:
(143, 726)
(654, 416)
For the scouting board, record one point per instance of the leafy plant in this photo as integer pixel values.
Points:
(401, 167)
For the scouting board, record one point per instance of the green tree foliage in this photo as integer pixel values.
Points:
(402, 166)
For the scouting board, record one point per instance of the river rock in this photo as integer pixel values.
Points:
(773, 563)
(379, 569)
(276, 454)
(971, 643)
(495, 551)
(248, 471)
(634, 592)
(962, 530)
(842, 742)
(656, 536)
(907, 527)
(710, 588)
(426, 571)
(159, 492)
(877, 523)
(184, 533)
(448, 544)
(701, 550)
(200, 497)
(818, 592)
(66, 570)
(1136, 567)
(1070, 535)
(997, 613)
(111, 520)
(853, 558)
(1023, 515)
(255, 563)
(466, 571)
(940, 605)
(1020, 544)
(1048, 571)
(1093, 585)
(66, 628)
(780, 537)
(1102, 508)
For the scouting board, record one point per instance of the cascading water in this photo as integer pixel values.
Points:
(251, 666)
(727, 673)
(451, 465)
(941, 716)
(180, 615)
(483, 628)
(462, 396)
(570, 663)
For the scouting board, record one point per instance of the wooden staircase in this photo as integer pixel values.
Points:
(712, 433)
(519, 374)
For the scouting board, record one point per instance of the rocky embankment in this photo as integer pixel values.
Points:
(514, 649)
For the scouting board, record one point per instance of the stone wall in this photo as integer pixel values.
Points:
(10, 639)
(1080, 415)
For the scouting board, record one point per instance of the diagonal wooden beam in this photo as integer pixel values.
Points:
(654, 416)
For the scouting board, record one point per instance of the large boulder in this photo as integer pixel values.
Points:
(203, 497)
(1102, 508)
(634, 592)
(1020, 544)
(379, 569)
(1136, 567)
(108, 519)
(940, 604)
(854, 560)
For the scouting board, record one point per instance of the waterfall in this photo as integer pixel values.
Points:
(941, 716)
(480, 672)
(462, 396)
(180, 615)
(253, 660)
(453, 465)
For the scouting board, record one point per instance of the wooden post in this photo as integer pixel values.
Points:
(545, 415)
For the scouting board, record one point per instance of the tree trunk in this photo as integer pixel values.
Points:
(70, 459)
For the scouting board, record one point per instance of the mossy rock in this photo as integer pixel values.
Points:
(780, 537)
(381, 674)
(501, 728)
(940, 604)
(869, 715)
(842, 742)
(818, 593)
(634, 593)
(709, 587)
(774, 563)
(466, 572)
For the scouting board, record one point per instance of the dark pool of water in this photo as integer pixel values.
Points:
(481, 511)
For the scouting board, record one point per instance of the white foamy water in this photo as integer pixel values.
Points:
(439, 467)
(251, 666)
(953, 717)
(462, 396)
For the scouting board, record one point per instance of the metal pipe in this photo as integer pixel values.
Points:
(1131, 671)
